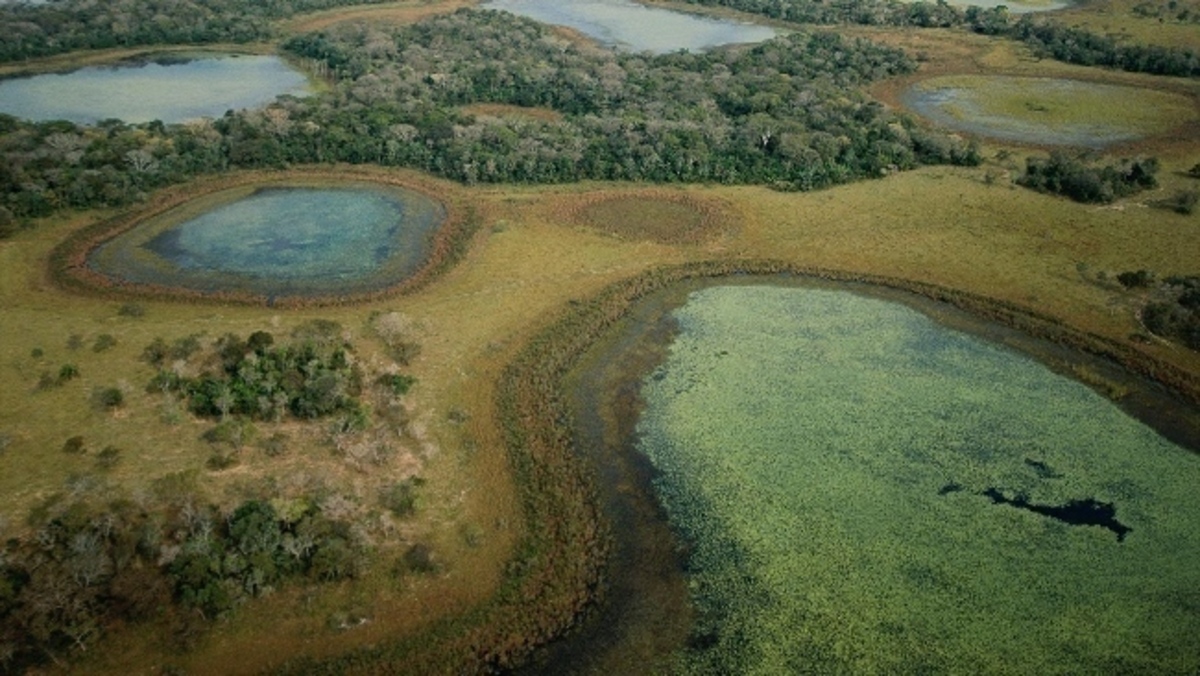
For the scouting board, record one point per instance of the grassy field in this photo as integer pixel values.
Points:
(539, 250)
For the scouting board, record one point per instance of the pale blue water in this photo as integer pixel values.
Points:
(171, 91)
(634, 27)
(282, 241)
(829, 455)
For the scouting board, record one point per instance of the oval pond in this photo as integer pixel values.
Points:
(865, 490)
(631, 26)
(279, 241)
(1047, 111)
(168, 87)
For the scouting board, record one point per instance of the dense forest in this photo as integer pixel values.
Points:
(785, 113)
(59, 26)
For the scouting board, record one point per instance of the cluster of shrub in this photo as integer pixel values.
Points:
(1073, 177)
(259, 380)
(88, 566)
(1177, 316)
(784, 113)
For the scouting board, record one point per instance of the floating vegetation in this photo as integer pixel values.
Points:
(824, 453)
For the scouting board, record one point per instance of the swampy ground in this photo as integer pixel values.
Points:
(537, 253)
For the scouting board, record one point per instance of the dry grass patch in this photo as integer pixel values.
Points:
(665, 217)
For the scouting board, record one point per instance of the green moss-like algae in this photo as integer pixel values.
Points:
(805, 439)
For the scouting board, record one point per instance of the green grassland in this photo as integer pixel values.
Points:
(539, 250)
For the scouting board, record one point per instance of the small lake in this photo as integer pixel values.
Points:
(279, 241)
(1047, 111)
(633, 27)
(864, 489)
(167, 87)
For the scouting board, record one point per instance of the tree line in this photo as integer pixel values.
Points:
(1046, 37)
(32, 31)
(785, 113)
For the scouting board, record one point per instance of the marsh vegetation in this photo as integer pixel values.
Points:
(206, 475)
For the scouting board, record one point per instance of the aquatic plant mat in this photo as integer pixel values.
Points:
(608, 641)
(867, 492)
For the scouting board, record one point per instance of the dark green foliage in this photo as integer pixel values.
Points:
(155, 352)
(103, 342)
(1194, 172)
(419, 558)
(37, 353)
(108, 457)
(108, 398)
(221, 460)
(74, 445)
(261, 381)
(396, 383)
(401, 497)
(1136, 279)
(8, 223)
(1072, 177)
(67, 372)
(1182, 202)
(1178, 318)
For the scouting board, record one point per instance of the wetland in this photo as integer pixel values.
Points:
(279, 240)
(1048, 111)
(841, 470)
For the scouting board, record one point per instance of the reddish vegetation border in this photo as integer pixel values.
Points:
(68, 261)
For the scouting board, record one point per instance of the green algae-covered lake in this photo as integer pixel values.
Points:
(866, 491)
